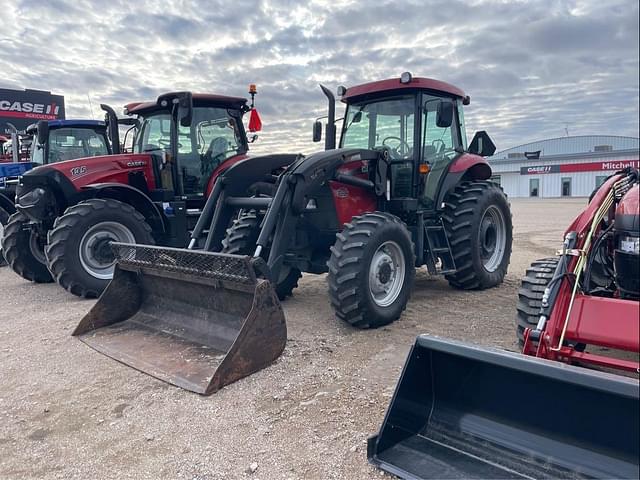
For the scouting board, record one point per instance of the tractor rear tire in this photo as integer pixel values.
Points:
(23, 250)
(241, 240)
(4, 219)
(478, 223)
(78, 250)
(371, 270)
(538, 276)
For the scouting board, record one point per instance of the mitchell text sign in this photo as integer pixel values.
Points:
(580, 167)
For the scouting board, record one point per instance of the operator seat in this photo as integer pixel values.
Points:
(213, 157)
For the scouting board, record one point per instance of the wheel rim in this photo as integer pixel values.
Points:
(492, 238)
(386, 274)
(36, 246)
(95, 252)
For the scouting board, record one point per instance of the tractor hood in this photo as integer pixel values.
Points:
(81, 172)
(43, 191)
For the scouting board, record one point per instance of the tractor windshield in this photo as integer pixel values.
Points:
(69, 144)
(213, 136)
(381, 123)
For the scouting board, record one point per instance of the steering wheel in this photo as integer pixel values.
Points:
(167, 143)
(401, 143)
(439, 145)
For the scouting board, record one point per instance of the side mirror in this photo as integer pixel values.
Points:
(444, 116)
(482, 145)
(185, 109)
(43, 132)
(317, 131)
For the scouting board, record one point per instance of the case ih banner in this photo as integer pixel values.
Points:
(24, 107)
(580, 167)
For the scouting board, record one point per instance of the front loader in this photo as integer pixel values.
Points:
(403, 190)
(462, 411)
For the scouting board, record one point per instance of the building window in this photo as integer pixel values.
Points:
(600, 179)
(603, 148)
(566, 187)
(534, 187)
(496, 179)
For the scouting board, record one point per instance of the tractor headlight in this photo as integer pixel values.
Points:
(31, 197)
(630, 244)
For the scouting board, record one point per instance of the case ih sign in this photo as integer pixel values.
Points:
(580, 167)
(24, 107)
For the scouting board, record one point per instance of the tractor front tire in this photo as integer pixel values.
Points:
(23, 250)
(78, 250)
(478, 223)
(241, 240)
(4, 219)
(371, 270)
(537, 278)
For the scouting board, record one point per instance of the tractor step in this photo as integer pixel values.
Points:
(439, 250)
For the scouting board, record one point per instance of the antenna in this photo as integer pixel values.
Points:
(90, 106)
(566, 128)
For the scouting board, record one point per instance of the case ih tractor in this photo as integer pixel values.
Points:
(463, 411)
(402, 191)
(69, 212)
(47, 142)
(564, 301)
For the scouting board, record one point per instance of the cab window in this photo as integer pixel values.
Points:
(71, 143)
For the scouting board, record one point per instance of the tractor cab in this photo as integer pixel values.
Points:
(59, 140)
(189, 136)
(419, 122)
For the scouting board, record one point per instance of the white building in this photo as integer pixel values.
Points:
(563, 167)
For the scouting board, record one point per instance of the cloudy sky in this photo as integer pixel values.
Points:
(532, 69)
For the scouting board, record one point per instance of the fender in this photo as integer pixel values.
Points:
(466, 167)
(131, 195)
(7, 204)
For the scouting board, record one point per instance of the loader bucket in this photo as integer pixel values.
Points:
(197, 320)
(461, 411)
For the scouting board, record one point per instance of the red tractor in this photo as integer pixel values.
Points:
(464, 411)
(588, 298)
(402, 191)
(69, 212)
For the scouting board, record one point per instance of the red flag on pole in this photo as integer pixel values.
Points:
(255, 124)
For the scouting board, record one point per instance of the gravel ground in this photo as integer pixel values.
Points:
(69, 412)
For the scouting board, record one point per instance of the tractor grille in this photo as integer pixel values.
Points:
(219, 266)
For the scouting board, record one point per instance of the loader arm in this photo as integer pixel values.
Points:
(297, 184)
(569, 316)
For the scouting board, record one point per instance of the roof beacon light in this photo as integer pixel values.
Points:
(341, 90)
(405, 77)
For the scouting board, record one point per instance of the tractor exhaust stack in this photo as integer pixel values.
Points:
(461, 411)
(330, 134)
(197, 320)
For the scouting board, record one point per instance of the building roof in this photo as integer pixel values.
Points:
(579, 144)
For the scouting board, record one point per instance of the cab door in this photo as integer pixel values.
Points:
(440, 143)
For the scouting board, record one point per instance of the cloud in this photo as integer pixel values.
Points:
(532, 69)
